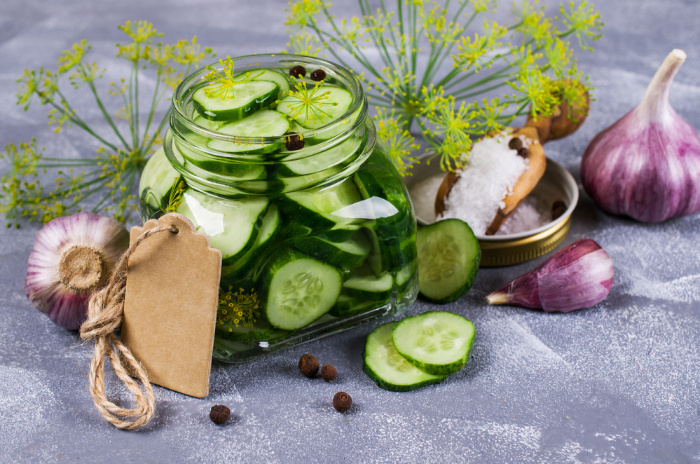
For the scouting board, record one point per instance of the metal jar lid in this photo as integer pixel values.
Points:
(506, 250)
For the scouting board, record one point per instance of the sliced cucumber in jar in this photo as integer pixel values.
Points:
(266, 234)
(314, 208)
(448, 259)
(348, 254)
(435, 342)
(157, 181)
(390, 370)
(273, 76)
(266, 123)
(364, 284)
(297, 289)
(231, 225)
(246, 99)
(349, 306)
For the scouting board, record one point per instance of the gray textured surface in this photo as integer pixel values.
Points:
(616, 383)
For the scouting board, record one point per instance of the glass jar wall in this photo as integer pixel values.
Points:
(315, 226)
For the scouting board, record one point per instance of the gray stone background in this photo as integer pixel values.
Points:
(616, 383)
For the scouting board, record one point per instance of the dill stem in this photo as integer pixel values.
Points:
(106, 115)
(75, 119)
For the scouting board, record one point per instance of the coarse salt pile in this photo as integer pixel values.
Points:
(481, 187)
(531, 214)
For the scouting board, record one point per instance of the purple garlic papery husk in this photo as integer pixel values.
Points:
(577, 277)
(72, 258)
(647, 164)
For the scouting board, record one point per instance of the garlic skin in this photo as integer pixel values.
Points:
(647, 164)
(577, 277)
(72, 257)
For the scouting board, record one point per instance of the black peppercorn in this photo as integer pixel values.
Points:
(515, 143)
(328, 372)
(523, 152)
(558, 208)
(342, 401)
(318, 75)
(219, 414)
(293, 141)
(297, 71)
(308, 365)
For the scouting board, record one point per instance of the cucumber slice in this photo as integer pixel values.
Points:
(363, 284)
(435, 342)
(297, 289)
(266, 234)
(394, 234)
(232, 170)
(248, 97)
(448, 258)
(314, 208)
(349, 306)
(333, 104)
(273, 76)
(390, 370)
(267, 123)
(314, 162)
(157, 180)
(231, 225)
(348, 254)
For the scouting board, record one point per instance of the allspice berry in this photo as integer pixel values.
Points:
(515, 143)
(328, 372)
(342, 401)
(308, 365)
(318, 75)
(219, 414)
(297, 71)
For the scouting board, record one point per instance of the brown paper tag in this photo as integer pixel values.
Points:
(172, 293)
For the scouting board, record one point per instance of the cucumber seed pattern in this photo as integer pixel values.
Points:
(300, 292)
(437, 337)
(440, 257)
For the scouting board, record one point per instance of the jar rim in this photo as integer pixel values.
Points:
(258, 61)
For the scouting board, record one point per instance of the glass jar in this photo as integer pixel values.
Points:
(316, 228)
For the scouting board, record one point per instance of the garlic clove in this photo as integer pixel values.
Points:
(647, 164)
(72, 257)
(577, 277)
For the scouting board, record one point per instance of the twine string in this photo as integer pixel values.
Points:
(105, 311)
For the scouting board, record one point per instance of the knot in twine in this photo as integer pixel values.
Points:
(105, 311)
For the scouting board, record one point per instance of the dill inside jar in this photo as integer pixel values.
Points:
(279, 168)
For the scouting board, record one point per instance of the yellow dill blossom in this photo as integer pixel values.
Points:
(308, 105)
(110, 176)
(303, 43)
(584, 21)
(237, 309)
(222, 80)
(395, 141)
(175, 197)
(73, 57)
(478, 50)
(301, 12)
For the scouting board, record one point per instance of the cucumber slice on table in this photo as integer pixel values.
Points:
(297, 289)
(266, 123)
(247, 98)
(448, 258)
(157, 180)
(333, 104)
(232, 225)
(390, 370)
(266, 234)
(435, 342)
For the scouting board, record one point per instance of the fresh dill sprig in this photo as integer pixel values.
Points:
(223, 80)
(103, 183)
(307, 105)
(405, 56)
(175, 197)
